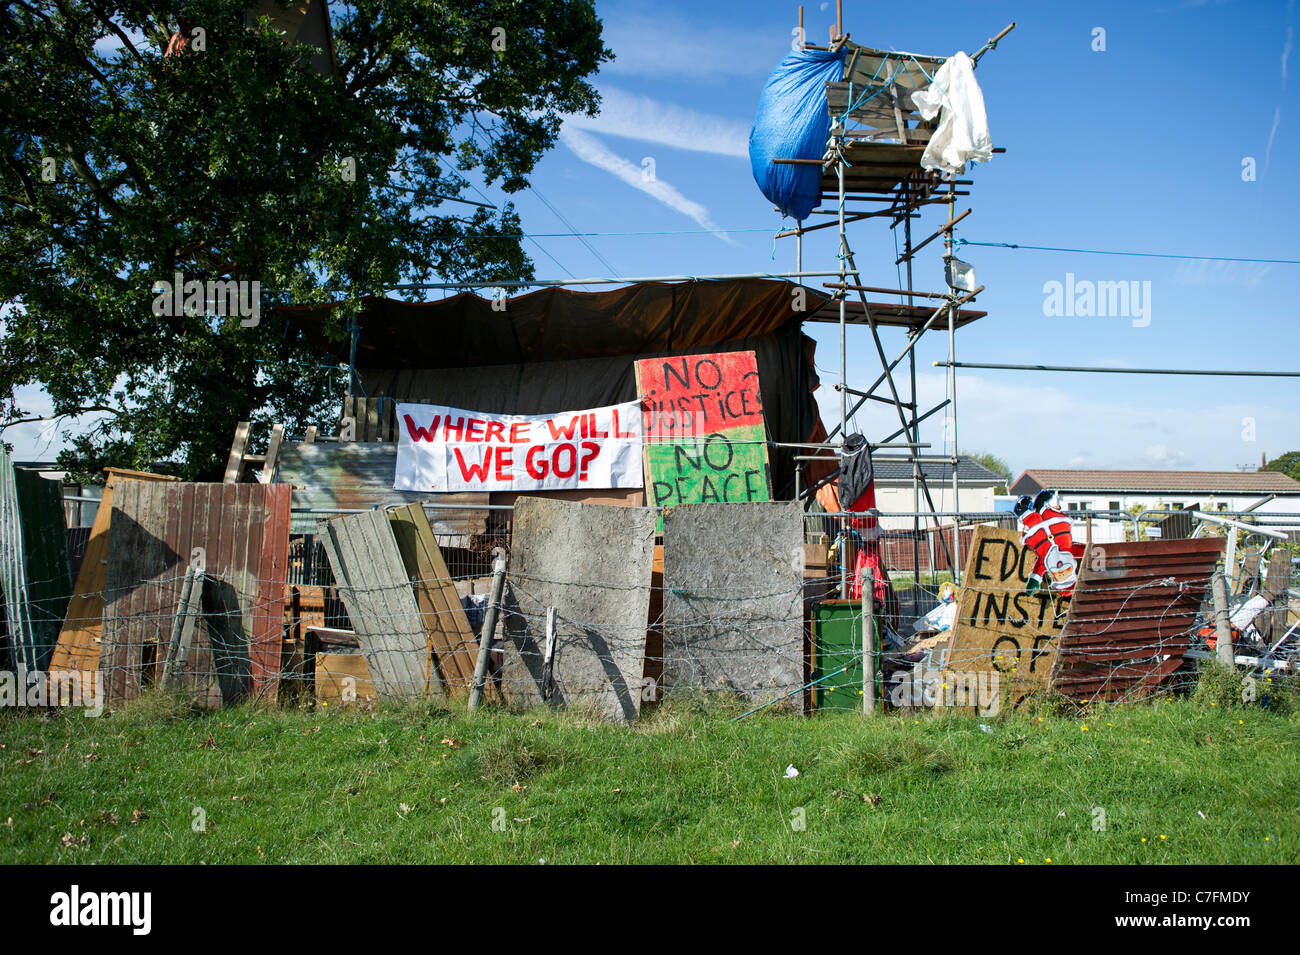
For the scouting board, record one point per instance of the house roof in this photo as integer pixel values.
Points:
(1180, 482)
(898, 470)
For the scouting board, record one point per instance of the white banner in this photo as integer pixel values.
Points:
(451, 449)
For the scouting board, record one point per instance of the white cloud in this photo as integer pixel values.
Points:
(591, 150)
(639, 117)
(1272, 134)
(662, 45)
(1286, 51)
(1083, 421)
(1162, 456)
(1202, 272)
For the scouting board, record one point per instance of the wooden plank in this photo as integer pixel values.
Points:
(235, 463)
(377, 594)
(453, 648)
(372, 419)
(341, 675)
(183, 628)
(272, 455)
(1271, 624)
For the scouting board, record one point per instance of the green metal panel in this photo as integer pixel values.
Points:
(34, 571)
(837, 641)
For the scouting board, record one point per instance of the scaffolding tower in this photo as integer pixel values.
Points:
(871, 169)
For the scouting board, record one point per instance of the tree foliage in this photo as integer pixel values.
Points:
(996, 465)
(1288, 464)
(234, 159)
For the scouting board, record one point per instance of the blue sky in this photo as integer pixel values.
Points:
(1139, 148)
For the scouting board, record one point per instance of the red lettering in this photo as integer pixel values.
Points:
(567, 432)
(624, 434)
(505, 461)
(474, 472)
(496, 428)
(519, 432)
(535, 470)
(471, 432)
(458, 427)
(420, 434)
(573, 461)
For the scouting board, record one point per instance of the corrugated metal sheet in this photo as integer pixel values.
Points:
(376, 591)
(33, 563)
(153, 532)
(1132, 616)
(355, 474)
(79, 639)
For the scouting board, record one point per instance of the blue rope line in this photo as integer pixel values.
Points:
(1145, 255)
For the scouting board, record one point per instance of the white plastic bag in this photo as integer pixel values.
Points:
(963, 133)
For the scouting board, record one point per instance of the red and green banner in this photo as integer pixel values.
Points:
(705, 440)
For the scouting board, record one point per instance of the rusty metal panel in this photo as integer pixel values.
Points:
(377, 593)
(240, 534)
(353, 474)
(34, 571)
(1132, 616)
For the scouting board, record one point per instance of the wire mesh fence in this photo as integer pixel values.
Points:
(315, 653)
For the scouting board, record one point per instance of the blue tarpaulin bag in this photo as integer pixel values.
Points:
(793, 122)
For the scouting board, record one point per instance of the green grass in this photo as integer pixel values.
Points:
(1198, 782)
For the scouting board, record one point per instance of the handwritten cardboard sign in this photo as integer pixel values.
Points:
(705, 439)
(451, 449)
(1001, 627)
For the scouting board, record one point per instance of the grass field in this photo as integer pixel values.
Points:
(1182, 781)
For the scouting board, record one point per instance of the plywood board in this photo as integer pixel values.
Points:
(705, 438)
(593, 564)
(376, 591)
(343, 678)
(733, 599)
(79, 638)
(1003, 631)
(453, 648)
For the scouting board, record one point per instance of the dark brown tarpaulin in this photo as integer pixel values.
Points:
(557, 349)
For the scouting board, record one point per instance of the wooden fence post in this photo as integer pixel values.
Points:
(1222, 628)
(868, 642)
(488, 632)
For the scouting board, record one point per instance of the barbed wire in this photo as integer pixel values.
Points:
(699, 641)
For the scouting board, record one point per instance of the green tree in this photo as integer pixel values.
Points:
(1288, 464)
(236, 159)
(994, 464)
